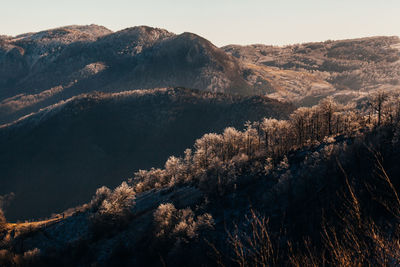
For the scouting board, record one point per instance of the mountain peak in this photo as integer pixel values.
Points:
(144, 33)
(66, 34)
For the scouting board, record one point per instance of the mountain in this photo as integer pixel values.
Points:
(56, 158)
(40, 69)
(304, 73)
(112, 162)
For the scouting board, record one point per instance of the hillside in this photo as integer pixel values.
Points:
(267, 195)
(276, 156)
(347, 69)
(40, 69)
(56, 158)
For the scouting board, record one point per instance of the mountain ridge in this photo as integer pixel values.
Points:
(349, 70)
(40, 72)
(43, 68)
(99, 138)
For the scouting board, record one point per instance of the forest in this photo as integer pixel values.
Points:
(68, 150)
(319, 188)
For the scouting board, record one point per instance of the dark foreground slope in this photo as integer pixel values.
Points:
(232, 202)
(56, 158)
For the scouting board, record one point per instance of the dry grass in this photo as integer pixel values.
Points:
(290, 85)
(354, 238)
(14, 230)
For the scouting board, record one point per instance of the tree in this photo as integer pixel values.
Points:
(232, 139)
(207, 147)
(174, 168)
(328, 107)
(119, 202)
(299, 120)
(270, 127)
(377, 101)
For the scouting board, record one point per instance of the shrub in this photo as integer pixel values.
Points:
(180, 224)
(101, 194)
(112, 209)
(119, 202)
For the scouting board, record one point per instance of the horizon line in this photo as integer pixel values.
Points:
(237, 44)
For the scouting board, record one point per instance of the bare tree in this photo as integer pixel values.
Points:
(299, 120)
(328, 108)
(377, 101)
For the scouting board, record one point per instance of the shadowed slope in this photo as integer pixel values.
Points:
(56, 158)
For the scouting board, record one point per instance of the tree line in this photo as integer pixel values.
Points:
(270, 140)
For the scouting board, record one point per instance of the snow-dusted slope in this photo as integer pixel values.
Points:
(304, 73)
(40, 69)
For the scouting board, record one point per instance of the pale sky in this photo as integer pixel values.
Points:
(222, 22)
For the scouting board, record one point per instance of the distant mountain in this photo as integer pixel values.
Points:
(56, 158)
(304, 73)
(40, 69)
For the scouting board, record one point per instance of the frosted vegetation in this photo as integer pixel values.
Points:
(299, 192)
(345, 69)
(220, 164)
(217, 160)
(317, 188)
(179, 223)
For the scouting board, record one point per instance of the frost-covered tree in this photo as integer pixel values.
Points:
(119, 201)
(208, 146)
(146, 180)
(101, 194)
(377, 101)
(180, 224)
(174, 168)
(218, 160)
(232, 142)
(300, 121)
(328, 108)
